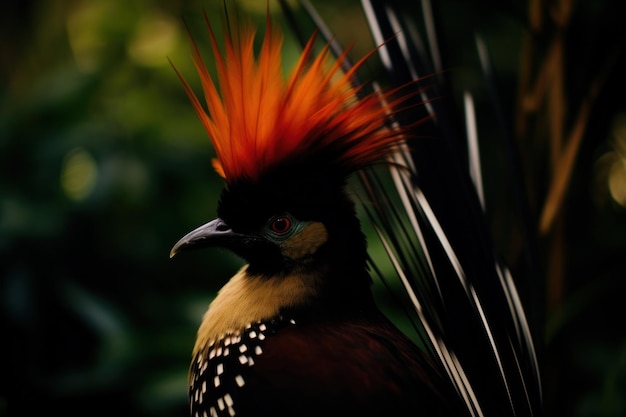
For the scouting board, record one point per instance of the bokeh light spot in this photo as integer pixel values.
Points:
(617, 171)
(155, 39)
(79, 174)
(617, 181)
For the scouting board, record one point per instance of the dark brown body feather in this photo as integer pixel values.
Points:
(329, 366)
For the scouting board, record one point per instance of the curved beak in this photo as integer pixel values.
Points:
(214, 233)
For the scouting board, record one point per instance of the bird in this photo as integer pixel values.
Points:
(296, 331)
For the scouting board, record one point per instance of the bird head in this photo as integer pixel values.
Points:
(293, 218)
(285, 147)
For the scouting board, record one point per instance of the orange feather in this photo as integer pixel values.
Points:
(259, 118)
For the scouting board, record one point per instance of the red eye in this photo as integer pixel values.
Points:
(281, 225)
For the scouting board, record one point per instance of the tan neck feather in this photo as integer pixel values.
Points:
(247, 299)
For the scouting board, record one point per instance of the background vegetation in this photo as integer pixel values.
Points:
(103, 166)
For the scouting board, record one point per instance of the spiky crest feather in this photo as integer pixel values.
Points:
(258, 119)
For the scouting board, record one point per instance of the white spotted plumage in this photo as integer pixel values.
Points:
(217, 377)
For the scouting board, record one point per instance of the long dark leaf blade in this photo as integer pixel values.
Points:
(475, 270)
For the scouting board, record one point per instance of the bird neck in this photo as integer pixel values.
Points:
(246, 299)
(249, 298)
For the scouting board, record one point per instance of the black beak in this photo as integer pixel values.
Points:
(214, 233)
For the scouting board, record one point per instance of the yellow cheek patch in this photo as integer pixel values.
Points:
(305, 243)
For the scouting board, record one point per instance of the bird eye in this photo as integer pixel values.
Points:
(281, 225)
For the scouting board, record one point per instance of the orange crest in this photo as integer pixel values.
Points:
(259, 118)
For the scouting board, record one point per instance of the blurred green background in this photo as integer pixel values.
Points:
(104, 166)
